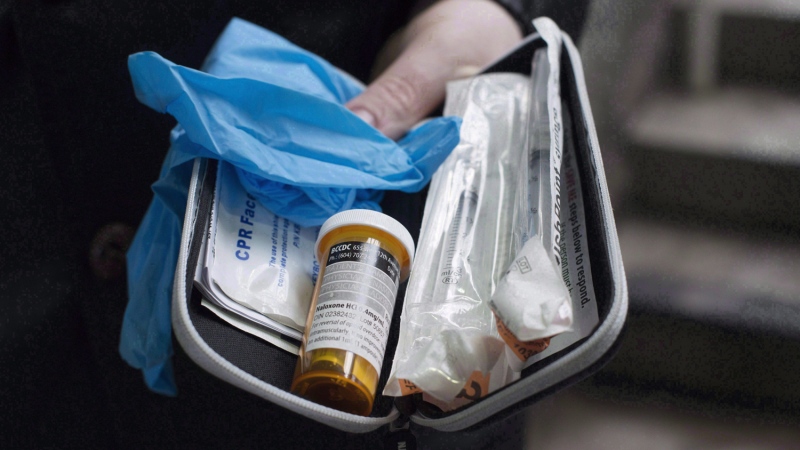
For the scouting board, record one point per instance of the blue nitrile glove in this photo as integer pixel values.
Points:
(146, 339)
(276, 113)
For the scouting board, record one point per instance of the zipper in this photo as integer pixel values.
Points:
(399, 436)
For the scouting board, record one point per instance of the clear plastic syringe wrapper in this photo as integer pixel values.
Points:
(531, 301)
(450, 347)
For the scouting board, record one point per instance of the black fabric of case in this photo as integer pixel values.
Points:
(243, 350)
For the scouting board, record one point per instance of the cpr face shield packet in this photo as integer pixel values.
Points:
(262, 261)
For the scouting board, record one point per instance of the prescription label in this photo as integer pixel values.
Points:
(356, 300)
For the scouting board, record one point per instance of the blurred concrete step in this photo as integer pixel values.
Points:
(716, 138)
(607, 421)
(730, 278)
(748, 124)
(729, 156)
(715, 316)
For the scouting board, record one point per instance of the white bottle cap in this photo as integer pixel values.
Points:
(369, 218)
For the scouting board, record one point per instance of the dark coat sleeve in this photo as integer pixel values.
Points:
(570, 15)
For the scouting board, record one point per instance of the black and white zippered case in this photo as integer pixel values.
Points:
(266, 371)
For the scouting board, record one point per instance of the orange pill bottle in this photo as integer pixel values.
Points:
(364, 256)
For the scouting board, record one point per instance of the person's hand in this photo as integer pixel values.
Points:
(451, 39)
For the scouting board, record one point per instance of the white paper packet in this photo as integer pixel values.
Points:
(262, 261)
(531, 299)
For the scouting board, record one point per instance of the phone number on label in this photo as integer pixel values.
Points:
(328, 314)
